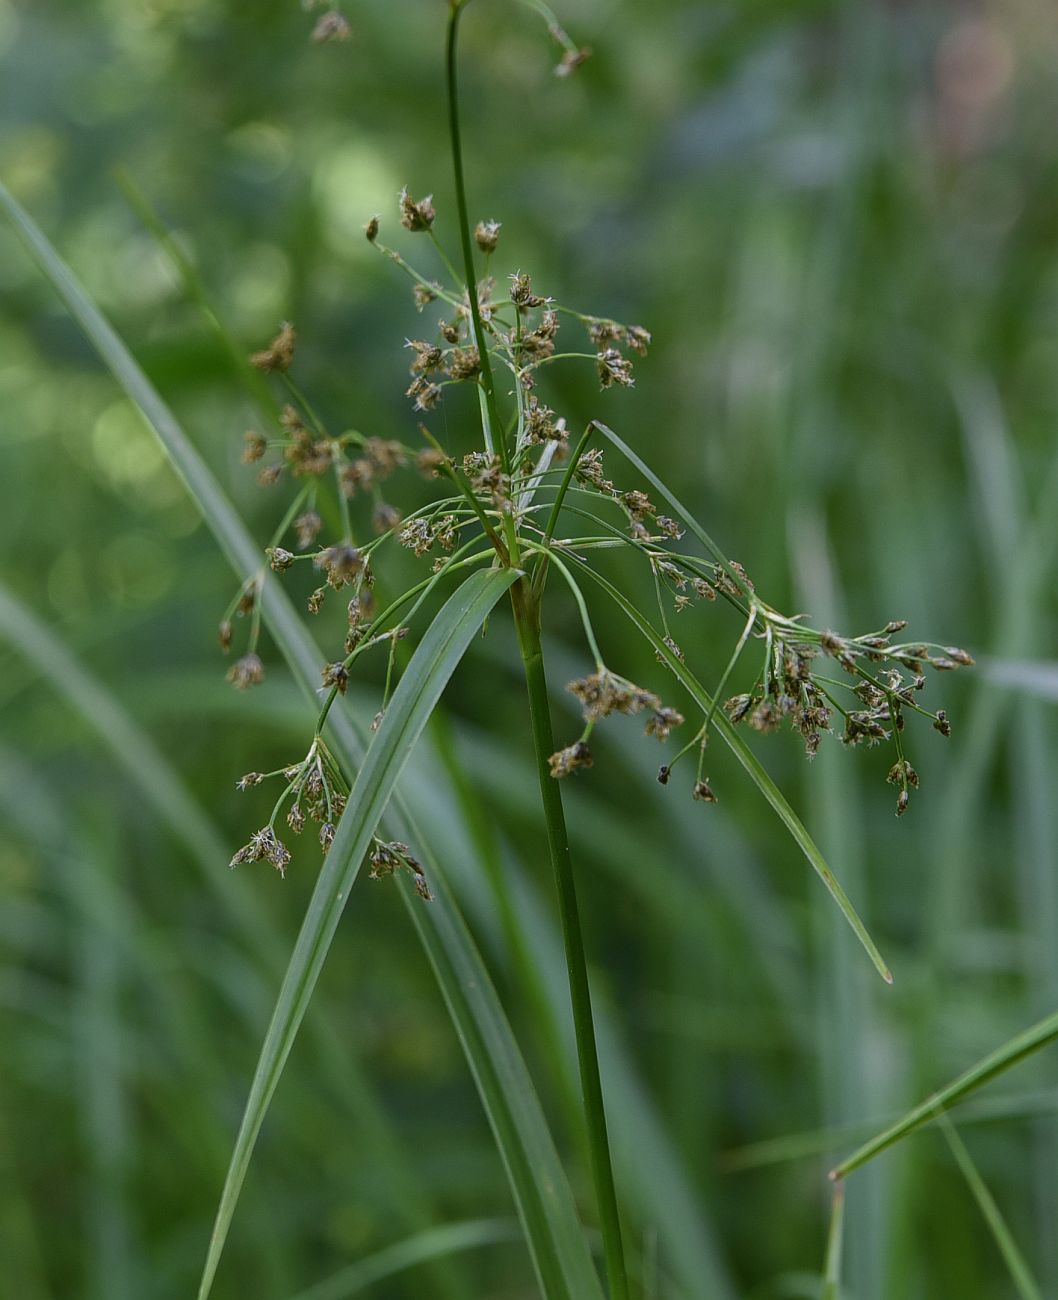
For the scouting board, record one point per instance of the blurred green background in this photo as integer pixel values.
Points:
(841, 224)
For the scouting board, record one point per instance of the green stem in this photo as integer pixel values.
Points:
(455, 9)
(527, 619)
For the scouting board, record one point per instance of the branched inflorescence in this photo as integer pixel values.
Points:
(502, 502)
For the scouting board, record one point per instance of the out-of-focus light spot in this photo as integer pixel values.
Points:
(123, 448)
(8, 26)
(263, 151)
(29, 161)
(975, 63)
(136, 570)
(257, 286)
(351, 184)
(67, 582)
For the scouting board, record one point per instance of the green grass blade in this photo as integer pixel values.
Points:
(541, 1190)
(753, 767)
(835, 1241)
(997, 1062)
(1020, 1272)
(559, 1253)
(692, 523)
(435, 659)
(434, 1243)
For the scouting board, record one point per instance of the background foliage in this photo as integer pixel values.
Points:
(840, 223)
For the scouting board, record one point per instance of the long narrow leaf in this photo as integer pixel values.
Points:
(997, 1062)
(835, 1243)
(434, 1243)
(1020, 1272)
(435, 659)
(752, 765)
(544, 1200)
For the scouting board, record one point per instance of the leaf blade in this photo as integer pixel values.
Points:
(1013, 1051)
(435, 659)
(560, 1255)
(754, 769)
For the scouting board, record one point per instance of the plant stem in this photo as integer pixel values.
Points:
(527, 619)
(526, 605)
(455, 9)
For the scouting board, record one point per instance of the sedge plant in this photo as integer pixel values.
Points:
(524, 509)
(526, 495)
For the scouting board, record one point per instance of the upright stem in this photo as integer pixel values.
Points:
(455, 9)
(527, 619)
(526, 604)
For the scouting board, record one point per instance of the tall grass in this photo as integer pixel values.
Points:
(686, 995)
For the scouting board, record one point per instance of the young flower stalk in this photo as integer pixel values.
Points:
(528, 497)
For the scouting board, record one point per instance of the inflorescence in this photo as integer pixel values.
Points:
(501, 503)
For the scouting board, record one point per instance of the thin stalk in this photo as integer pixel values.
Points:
(487, 383)
(526, 605)
(527, 620)
(835, 1239)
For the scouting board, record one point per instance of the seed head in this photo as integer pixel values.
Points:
(487, 235)
(251, 778)
(941, 723)
(416, 215)
(662, 721)
(246, 672)
(417, 536)
(264, 844)
(463, 363)
(331, 27)
(430, 461)
(371, 230)
(279, 559)
(224, 635)
(428, 356)
(703, 793)
(638, 339)
(522, 291)
(602, 693)
(279, 353)
(570, 759)
(385, 517)
(336, 675)
(307, 527)
(255, 446)
(342, 563)
(614, 369)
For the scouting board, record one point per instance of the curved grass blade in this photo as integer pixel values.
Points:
(835, 1242)
(659, 486)
(431, 1244)
(997, 1062)
(1020, 1273)
(162, 788)
(753, 767)
(435, 659)
(552, 1229)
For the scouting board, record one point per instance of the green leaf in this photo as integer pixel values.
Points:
(435, 659)
(1020, 1273)
(674, 502)
(998, 1062)
(835, 1242)
(538, 1181)
(752, 765)
(434, 1243)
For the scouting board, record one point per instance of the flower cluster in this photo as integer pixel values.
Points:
(505, 499)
